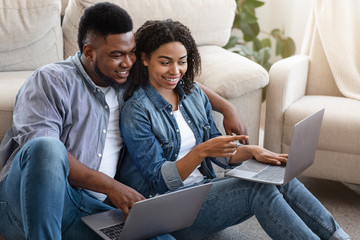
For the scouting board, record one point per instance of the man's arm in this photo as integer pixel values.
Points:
(119, 194)
(233, 122)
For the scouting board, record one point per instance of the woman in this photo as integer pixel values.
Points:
(167, 127)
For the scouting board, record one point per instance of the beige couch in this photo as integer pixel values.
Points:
(32, 35)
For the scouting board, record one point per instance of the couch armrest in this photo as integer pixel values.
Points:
(287, 84)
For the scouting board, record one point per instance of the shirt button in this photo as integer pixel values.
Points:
(106, 107)
(175, 155)
(99, 155)
(189, 121)
(98, 90)
(104, 131)
(177, 130)
(171, 113)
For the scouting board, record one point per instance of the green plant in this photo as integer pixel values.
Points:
(250, 46)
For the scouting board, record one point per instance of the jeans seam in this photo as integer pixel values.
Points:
(301, 208)
(277, 222)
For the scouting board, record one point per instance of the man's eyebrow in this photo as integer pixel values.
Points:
(122, 52)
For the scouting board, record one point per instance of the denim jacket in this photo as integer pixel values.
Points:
(152, 137)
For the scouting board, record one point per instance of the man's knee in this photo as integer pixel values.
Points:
(44, 151)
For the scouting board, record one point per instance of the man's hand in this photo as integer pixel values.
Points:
(124, 197)
(119, 194)
(233, 123)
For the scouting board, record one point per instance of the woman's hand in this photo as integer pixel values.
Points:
(265, 156)
(223, 146)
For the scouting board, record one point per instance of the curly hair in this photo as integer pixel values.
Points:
(103, 19)
(149, 37)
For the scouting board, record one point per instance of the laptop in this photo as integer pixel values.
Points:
(301, 155)
(151, 217)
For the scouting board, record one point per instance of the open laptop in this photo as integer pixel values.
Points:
(151, 217)
(301, 155)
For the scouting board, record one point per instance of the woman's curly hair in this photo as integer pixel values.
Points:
(149, 37)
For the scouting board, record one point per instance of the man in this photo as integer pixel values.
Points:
(60, 155)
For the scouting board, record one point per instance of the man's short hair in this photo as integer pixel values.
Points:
(103, 19)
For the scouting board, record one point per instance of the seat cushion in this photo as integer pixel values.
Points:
(242, 75)
(31, 34)
(340, 131)
(209, 21)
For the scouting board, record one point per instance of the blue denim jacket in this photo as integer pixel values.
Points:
(152, 138)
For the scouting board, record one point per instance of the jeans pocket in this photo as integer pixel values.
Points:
(10, 226)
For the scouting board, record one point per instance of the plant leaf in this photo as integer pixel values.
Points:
(254, 3)
(266, 42)
(232, 42)
(250, 31)
(288, 48)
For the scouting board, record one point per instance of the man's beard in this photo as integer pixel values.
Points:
(108, 80)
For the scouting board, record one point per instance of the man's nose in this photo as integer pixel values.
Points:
(127, 61)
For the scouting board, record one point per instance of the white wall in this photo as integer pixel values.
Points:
(288, 15)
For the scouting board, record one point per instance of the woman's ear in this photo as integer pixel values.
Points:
(144, 59)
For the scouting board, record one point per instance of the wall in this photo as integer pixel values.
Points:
(288, 15)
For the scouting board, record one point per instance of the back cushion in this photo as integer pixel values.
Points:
(209, 21)
(30, 33)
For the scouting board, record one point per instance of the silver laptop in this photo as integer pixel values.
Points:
(301, 155)
(151, 217)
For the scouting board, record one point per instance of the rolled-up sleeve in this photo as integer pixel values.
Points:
(171, 175)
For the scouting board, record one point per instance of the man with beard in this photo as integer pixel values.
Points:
(60, 155)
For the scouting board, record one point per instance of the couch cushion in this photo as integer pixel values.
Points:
(209, 21)
(30, 33)
(246, 77)
(10, 82)
(340, 130)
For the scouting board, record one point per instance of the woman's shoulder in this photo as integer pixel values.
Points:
(139, 98)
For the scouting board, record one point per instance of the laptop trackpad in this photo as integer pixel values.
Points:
(252, 165)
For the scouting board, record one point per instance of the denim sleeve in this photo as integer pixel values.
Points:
(145, 149)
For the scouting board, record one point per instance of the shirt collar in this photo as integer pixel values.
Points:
(83, 73)
(158, 100)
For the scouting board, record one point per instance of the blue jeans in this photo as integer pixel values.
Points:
(288, 212)
(36, 200)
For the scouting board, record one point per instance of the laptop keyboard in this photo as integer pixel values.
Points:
(271, 173)
(113, 232)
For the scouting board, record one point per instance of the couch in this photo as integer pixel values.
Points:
(324, 75)
(38, 32)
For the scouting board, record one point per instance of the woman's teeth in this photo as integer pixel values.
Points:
(171, 79)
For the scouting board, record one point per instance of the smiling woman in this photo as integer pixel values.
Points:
(166, 66)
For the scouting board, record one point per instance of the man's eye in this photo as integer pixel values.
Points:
(165, 63)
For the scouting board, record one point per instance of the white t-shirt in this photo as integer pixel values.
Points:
(114, 141)
(188, 142)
